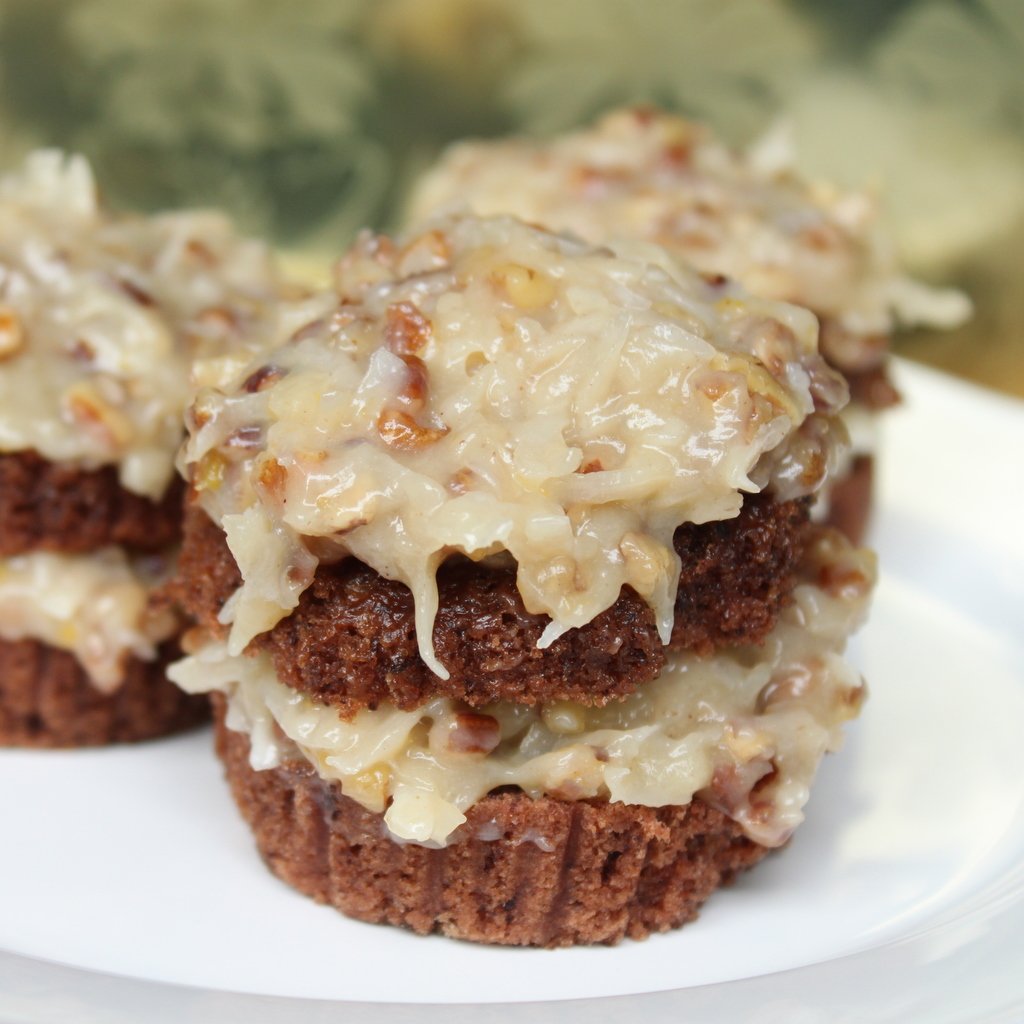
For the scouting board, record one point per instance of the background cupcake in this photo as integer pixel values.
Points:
(642, 174)
(99, 317)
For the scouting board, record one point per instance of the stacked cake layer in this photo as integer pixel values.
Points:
(504, 573)
(100, 318)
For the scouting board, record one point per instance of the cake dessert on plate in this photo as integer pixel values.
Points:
(643, 174)
(506, 586)
(100, 317)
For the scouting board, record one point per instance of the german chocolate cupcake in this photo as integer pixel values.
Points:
(656, 177)
(506, 584)
(100, 318)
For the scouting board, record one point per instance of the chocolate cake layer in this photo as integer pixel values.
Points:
(47, 700)
(737, 574)
(524, 872)
(872, 389)
(849, 501)
(351, 641)
(47, 506)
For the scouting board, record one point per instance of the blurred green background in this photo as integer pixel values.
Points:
(308, 119)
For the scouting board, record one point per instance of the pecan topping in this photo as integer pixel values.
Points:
(143, 298)
(406, 329)
(399, 430)
(715, 280)
(263, 378)
(472, 733)
(414, 394)
(82, 351)
(12, 338)
(310, 330)
(200, 252)
(217, 319)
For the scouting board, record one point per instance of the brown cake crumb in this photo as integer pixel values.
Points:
(50, 506)
(737, 574)
(351, 641)
(47, 700)
(523, 872)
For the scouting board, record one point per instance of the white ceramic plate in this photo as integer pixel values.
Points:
(131, 892)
